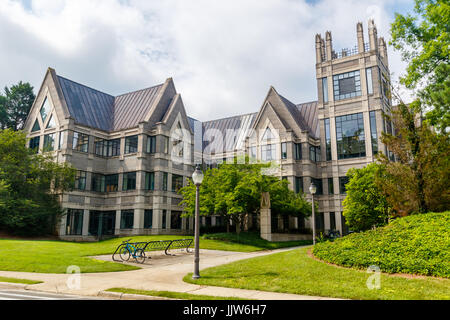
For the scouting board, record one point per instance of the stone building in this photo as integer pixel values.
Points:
(134, 151)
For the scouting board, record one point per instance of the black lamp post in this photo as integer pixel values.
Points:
(197, 177)
(312, 190)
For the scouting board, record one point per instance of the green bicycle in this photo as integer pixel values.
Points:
(129, 250)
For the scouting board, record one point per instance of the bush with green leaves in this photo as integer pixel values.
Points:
(416, 244)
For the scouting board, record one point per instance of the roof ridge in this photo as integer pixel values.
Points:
(298, 104)
(83, 85)
(123, 94)
(239, 115)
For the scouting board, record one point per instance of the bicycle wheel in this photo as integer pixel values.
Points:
(139, 256)
(124, 254)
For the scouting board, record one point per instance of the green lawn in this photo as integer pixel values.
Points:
(15, 280)
(56, 256)
(172, 294)
(295, 272)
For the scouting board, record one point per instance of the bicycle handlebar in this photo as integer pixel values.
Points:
(126, 241)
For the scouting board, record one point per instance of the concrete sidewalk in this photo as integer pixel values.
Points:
(161, 272)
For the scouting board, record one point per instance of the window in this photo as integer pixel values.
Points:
(342, 182)
(325, 90)
(51, 123)
(113, 147)
(131, 144)
(175, 220)
(74, 225)
(80, 142)
(253, 153)
(107, 148)
(373, 132)
(298, 151)
(112, 182)
(327, 139)
(151, 144)
(98, 182)
(268, 152)
(165, 144)
(385, 86)
(49, 142)
(36, 126)
(350, 136)
(314, 153)
(62, 135)
(80, 180)
(283, 150)
(129, 181)
(164, 181)
(148, 219)
(45, 110)
(267, 135)
(347, 85)
(318, 183)
(330, 186)
(298, 184)
(177, 182)
(100, 147)
(332, 221)
(34, 143)
(164, 218)
(126, 219)
(369, 81)
(149, 181)
(320, 221)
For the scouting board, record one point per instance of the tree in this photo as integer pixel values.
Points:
(423, 40)
(365, 206)
(234, 190)
(15, 106)
(30, 185)
(419, 180)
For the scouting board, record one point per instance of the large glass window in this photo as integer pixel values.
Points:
(98, 182)
(347, 85)
(126, 219)
(298, 151)
(325, 90)
(320, 221)
(148, 219)
(129, 181)
(268, 152)
(373, 131)
(112, 182)
(107, 148)
(151, 144)
(80, 142)
(327, 139)
(149, 181)
(80, 180)
(131, 144)
(330, 186)
(314, 153)
(49, 142)
(332, 221)
(175, 220)
(34, 143)
(318, 183)
(350, 136)
(165, 180)
(164, 218)
(342, 182)
(74, 225)
(253, 153)
(177, 182)
(283, 150)
(299, 184)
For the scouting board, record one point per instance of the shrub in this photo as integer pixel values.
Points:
(417, 244)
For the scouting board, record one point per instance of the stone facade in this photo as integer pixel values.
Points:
(149, 136)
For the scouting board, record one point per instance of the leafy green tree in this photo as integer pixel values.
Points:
(30, 185)
(423, 39)
(234, 190)
(15, 105)
(365, 206)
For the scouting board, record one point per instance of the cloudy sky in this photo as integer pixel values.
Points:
(223, 55)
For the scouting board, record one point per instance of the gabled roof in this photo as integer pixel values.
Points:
(100, 110)
(310, 115)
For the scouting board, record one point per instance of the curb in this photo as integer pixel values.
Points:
(128, 296)
(14, 285)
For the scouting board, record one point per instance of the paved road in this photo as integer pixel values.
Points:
(15, 294)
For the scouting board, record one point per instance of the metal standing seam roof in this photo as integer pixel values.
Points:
(309, 113)
(99, 110)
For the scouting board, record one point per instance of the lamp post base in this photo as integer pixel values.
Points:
(195, 277)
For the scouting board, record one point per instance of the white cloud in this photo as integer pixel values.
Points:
(223, 55)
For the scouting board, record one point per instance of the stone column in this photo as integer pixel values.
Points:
(85, 231)
(266, 229)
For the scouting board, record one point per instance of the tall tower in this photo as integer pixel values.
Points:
(353, 90)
